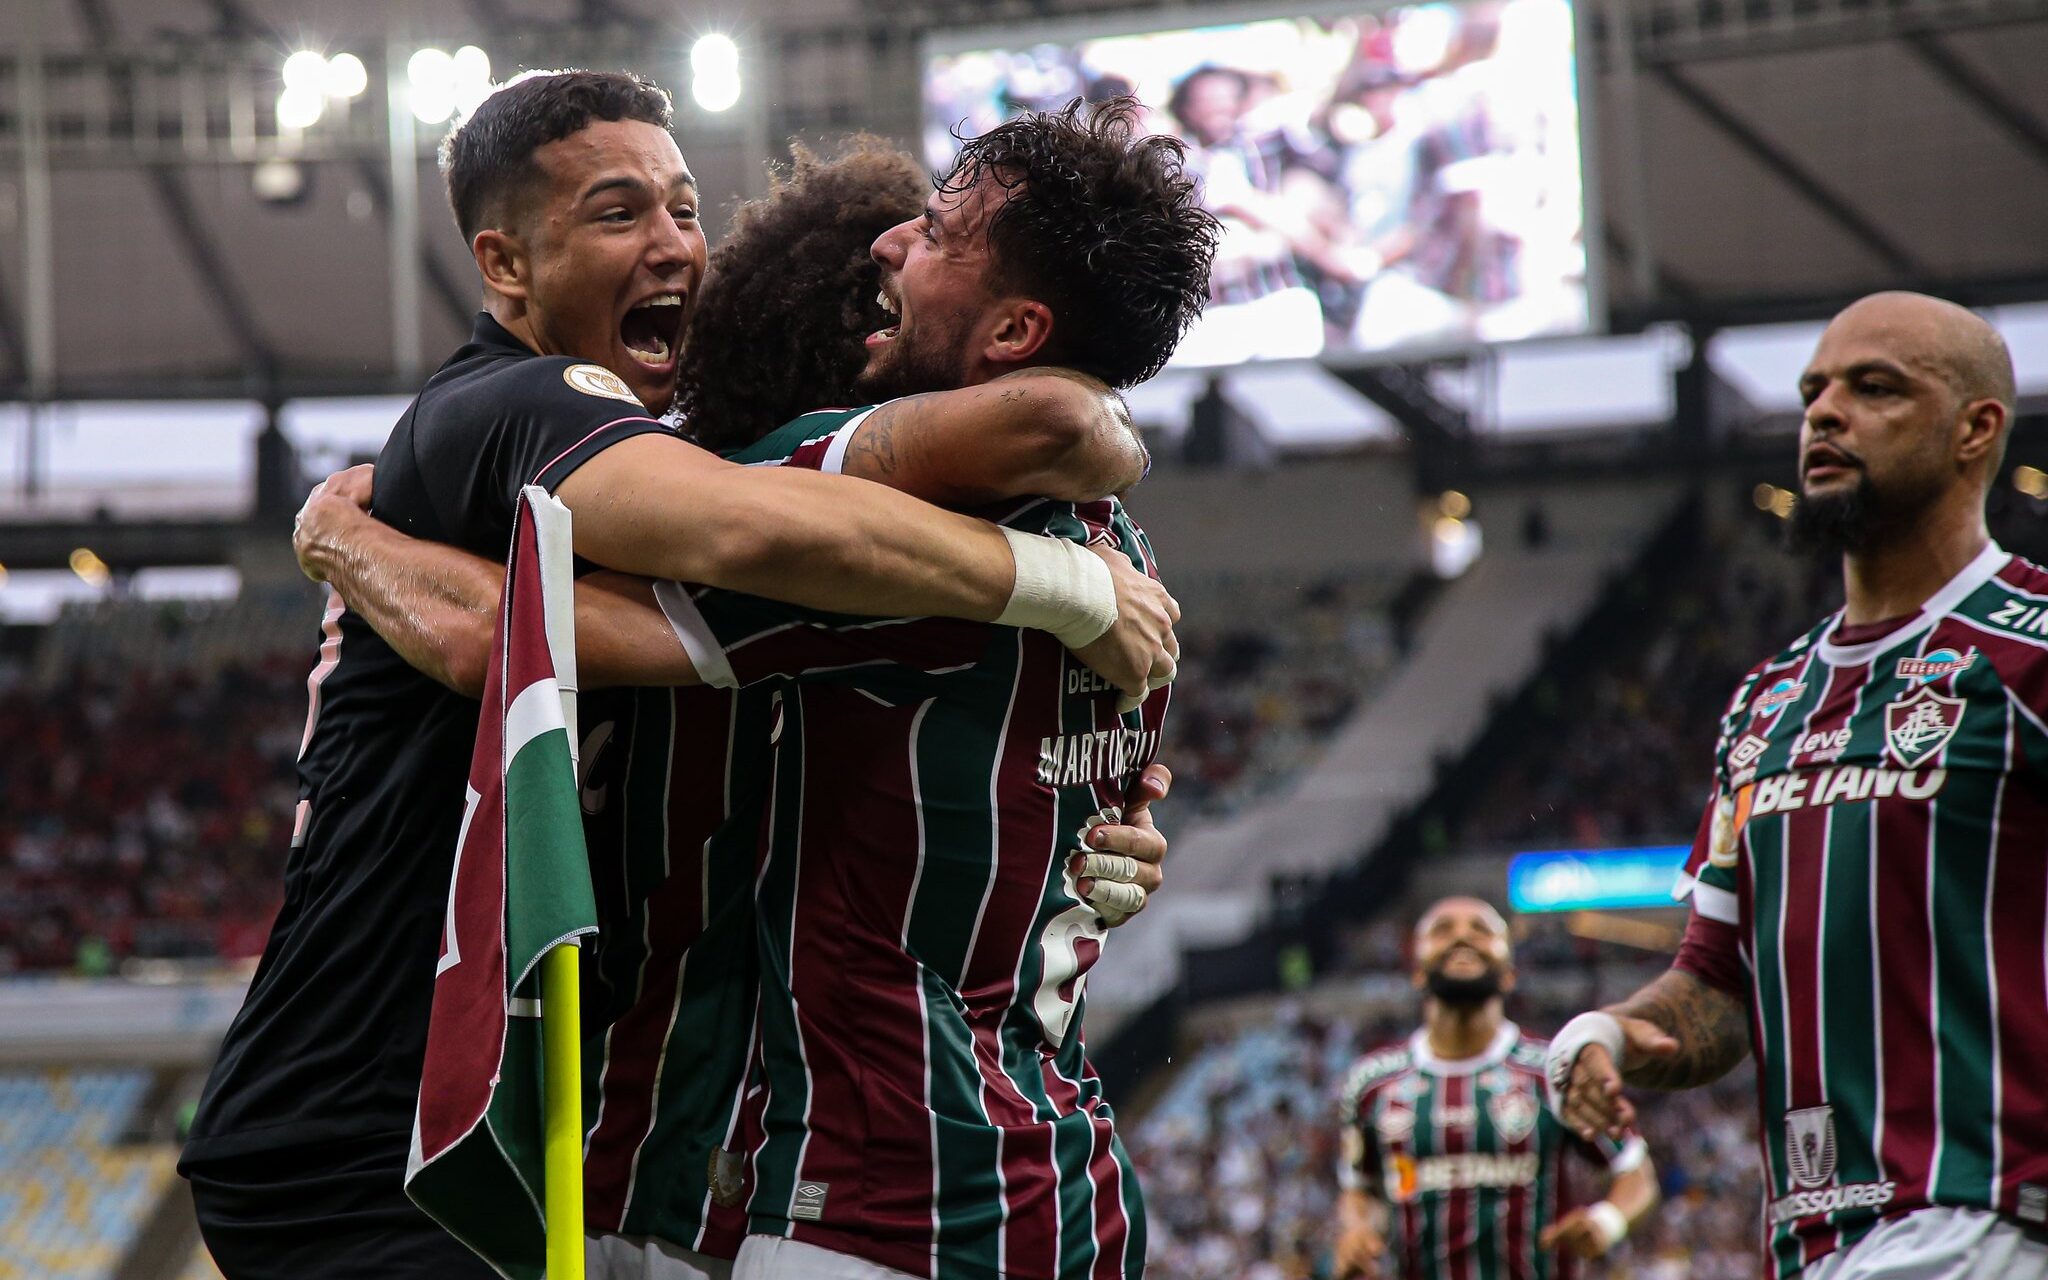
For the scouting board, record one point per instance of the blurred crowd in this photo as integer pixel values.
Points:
(1623, 753)
(147, 811)
(1257, 697)
(1383, 179)
(1239, 1160)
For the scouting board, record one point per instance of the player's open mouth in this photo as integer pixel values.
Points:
(888, 304)
(652, 330)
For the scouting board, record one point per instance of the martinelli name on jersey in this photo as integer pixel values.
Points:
(1872, 880)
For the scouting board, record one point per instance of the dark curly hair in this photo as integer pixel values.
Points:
(1103, 225)
(488, 160)
(789, 294)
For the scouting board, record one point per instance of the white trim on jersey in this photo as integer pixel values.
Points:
(1973, 575)
(835, 453)
(698, 640)
(1425, 1060)
(1715, 903)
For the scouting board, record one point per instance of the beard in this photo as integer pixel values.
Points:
(1859, 518)
(1463, 992)
(910, 366)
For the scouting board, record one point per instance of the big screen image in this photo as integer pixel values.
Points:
(1397, 180)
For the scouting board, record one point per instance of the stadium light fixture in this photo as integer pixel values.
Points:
(305, 70)
(715, 72)
(299, 106)
(345, 77)
(431, 74)
(90, 569)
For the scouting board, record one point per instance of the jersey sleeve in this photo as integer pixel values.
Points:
(816, 441)
(1358, 1156)
(533, 422)
(1711, 950)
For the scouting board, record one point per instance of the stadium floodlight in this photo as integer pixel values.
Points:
(715, 72)
(471, 68)
(346, 76)
(305, 71)
(299, 106)
(90, 569)
(431, 72)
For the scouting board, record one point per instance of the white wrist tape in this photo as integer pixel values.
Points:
(1116, 901)
(1611, 1221)
(1062, 587)
(1566, 1045)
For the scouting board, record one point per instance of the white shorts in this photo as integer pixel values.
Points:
(772, 1258)
(1941, 1243)
(610, 1257)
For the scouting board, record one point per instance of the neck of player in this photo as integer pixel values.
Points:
(1463, 1031)
(1897, 575)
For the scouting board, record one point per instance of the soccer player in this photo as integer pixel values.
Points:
(1872, 892)
(1449, 1155)
(954, 273)
(581, 217)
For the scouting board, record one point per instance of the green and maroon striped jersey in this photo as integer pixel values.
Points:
(1466, 1157)
(924, 1099)
(674, 787)
(1872, 881)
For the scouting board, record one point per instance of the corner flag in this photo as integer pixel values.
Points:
(484, 1129)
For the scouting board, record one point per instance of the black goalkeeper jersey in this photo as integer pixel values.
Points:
(329, 1042)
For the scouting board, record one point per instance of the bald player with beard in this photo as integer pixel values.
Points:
(1450, 1161)
(1871, 891)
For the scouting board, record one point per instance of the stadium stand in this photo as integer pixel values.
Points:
(72, 1198)
(148, 798)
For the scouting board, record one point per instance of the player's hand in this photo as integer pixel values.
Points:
(1575, 1233)
(1139, 653)
(1358, 1252)
(1126, 853)
(337, 504)
(1593, 1101)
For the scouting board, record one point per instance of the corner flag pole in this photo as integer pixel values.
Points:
(562, 1101)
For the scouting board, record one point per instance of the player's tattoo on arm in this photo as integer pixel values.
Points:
(875, 442)
(1711, 1027)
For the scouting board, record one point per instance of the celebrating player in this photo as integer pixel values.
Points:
(1447, 1143)
(1871, 892)
(581, 217)
(981, 286)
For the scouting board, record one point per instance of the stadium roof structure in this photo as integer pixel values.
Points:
(1755, 160)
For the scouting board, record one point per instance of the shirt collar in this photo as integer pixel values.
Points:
(1503, 1040)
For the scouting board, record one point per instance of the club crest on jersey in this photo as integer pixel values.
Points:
(1742, 758)
(1776, 697)
(1394, 1123)
(1810, 1146)
(1919, 725)
(1932, 667)
(1513, 1114)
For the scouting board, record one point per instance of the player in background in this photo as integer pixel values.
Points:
(1871, 888)
(924, 451)
(1450, 1158)
(581, 218)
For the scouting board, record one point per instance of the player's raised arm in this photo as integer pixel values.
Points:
(656, 506)
(1043, 432)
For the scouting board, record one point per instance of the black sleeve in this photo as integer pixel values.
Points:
(521, 422)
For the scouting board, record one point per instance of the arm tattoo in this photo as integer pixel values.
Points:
(875, 440)
(1711, 1027)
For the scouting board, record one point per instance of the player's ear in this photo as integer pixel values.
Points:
(1979, 429)
(1021, 333)
(502, 259)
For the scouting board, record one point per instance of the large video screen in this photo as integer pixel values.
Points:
(1399, 180)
